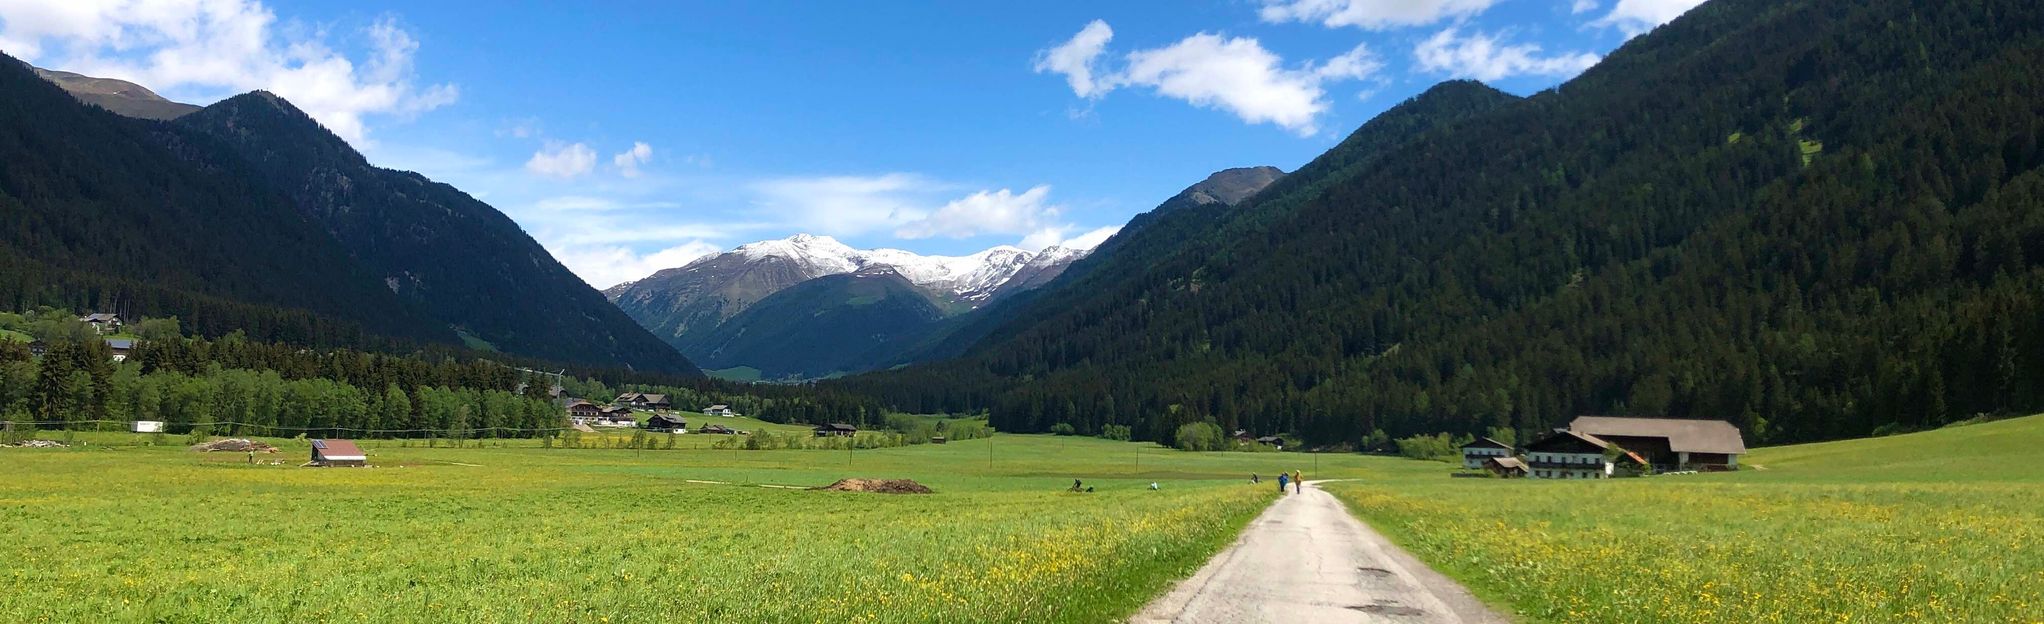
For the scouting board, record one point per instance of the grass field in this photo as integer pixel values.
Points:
(102, 532)
(1943, 526)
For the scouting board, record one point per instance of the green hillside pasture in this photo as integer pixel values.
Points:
(1943, 526)
(524, 534)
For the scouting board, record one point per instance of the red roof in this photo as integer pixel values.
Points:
(337, 449)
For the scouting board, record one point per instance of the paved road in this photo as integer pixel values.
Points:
(1306, 560)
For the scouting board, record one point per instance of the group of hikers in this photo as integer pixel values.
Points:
(1294, 480)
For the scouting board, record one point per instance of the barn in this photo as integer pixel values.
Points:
(337, 453)
(662, 423)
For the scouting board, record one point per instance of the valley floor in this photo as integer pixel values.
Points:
(1943, 526)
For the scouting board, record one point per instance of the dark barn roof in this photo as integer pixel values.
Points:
(1692, 436)
(1487, 443)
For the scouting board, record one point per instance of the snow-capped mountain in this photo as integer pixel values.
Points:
(969, 279)
(686, 304)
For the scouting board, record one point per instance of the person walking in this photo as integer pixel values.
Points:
(1282, 479)
(1298, 481)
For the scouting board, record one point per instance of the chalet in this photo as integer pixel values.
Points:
(616, 419)
(836, 429)
(615, 410)
(1670, 444)
(644, 400)
(1271, 440)
(337, 453)
(1243, 435)
(38, 348)
(1567, 454)
(715, 429)
(1506, 467)
(102, 322)
(719, 410)
(662, 423)
(122, 348)
(583, 412)
(1474, 454)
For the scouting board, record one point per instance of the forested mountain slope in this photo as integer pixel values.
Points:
(1811, 218)
(841, 323)
(247, 215)
(437, 248)
(96, 213)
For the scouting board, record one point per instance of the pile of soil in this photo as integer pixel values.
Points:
(38, 444)
(234, 445)
(882, 486)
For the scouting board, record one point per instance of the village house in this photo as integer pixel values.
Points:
(1482, 450)
(1670, 444)
(644, 400)
(582, 412)
(715, 429)
(719, 410)
(337, 453)
(836, 429)
(662, 423)
(102, 322)
(122, 348)
(615, 417)
(38, 348)
(1567, 454)
(1506, 467)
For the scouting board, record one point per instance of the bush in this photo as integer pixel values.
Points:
(1199, 436)
(1063, 429)
(1117, 432)
(1439, 446)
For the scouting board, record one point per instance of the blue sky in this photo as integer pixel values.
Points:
(629, 137)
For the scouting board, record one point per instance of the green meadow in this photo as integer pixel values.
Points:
(111, 531)
(1942, 526)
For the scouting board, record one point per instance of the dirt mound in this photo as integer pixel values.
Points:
(883, 486)
(38, 444)
(234, 445)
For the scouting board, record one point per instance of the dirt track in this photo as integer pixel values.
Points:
(1305, 561)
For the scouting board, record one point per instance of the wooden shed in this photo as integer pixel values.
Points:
(337, 453)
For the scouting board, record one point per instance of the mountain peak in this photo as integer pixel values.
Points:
(1231, 186)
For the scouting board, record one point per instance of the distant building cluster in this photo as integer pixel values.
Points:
(1601, 447)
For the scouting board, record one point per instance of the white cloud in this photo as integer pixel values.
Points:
(1075, 59)
(1211, 71)
(1484, 57)
(846, 205)
(1582, 6)
(628, 161)
(986, 212)
(213, 48)
(603, 266)
(558, 160)
(1638, 16)
(1370, 14)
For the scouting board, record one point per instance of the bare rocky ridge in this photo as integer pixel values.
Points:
(120, 96)
(1231, 186)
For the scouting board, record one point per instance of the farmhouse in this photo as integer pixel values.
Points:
(1476, 453)
(122, 348)
(582, 412)
(102, 322)
(337, 453)
(662, 423)
(716, 429)
(1567, 454)
(1506, 467)
(836, 429)
(1670, 444)
(616, 419)
(644, 400)
(719, 410)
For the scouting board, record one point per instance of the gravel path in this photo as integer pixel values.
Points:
(1306, 560)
